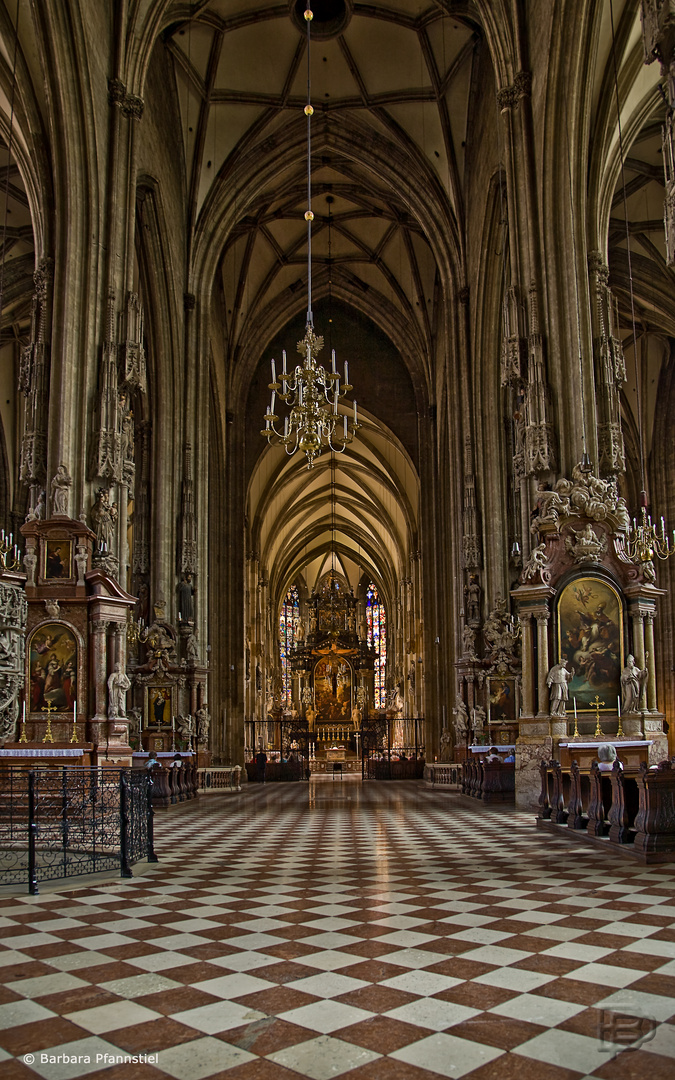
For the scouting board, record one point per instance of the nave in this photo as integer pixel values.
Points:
(379, 931)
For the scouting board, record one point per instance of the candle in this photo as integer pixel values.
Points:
(283, 357)
(346, 372)
(618, 705)
(333, 360)
(355, 415)
(173, 723)
(75, 711)
(345, 427)
(575, 708)
(274, 372)
(24, 712)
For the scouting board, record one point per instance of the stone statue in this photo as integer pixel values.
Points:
(558, 680)
(397, 700)
(127, 440)
(478, 725)
(60, 487)
(185, 598)
(586, 546)
(357, 717)
(472, 599)
(469, 639)
(461, 721)
(184, 727)
(446, 745)
(102, 519)
(310, 716)
(203, 725)
(536, 563)
(632, 682)
(118, 684)
(300, 633)
(363, 630)
(192, 649)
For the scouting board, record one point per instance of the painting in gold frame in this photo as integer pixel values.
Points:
(159, 709)
(58, 560)
(590, 638)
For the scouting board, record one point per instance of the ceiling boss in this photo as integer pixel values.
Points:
(310, 390)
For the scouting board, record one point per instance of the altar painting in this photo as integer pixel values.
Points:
(590, 638)
(158, 711)
(58, 560)
(332, 690)
(52, 654)
(502, 701)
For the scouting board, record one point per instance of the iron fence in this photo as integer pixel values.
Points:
(62, 822)
(383, 757)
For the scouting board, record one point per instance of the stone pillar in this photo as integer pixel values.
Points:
(543, 664)
(638, 621)
(528, 665)
(651, 663)
(99, 674)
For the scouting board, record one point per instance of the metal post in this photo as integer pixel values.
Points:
(64, 817)
(32, 835)
(125, 865)
(150, 821)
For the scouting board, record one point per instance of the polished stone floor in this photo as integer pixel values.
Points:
(383, 931)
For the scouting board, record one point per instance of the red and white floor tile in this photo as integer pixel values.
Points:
(373, 931)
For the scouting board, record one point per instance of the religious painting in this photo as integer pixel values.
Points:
(590, 638)
(157, 744)
(332, 690)
(58, 560)
(52, 654)
(502, 700)
(158, 712)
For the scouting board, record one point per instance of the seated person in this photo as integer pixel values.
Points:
(510, 758)
(607, 757)
(493, 754)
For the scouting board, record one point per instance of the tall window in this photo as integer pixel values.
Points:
(288, 624)
(376, 620)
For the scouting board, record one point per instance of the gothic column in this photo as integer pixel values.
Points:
(542, 662)
(651, 663)
(99, 673)
(528, 664)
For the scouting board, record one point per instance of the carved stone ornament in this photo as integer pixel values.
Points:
(584, 545)
(52, 608)
(13, 611)
(536, 569)
(583, 496)
(502, 639)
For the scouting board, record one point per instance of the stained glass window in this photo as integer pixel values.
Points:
(376, 620)
(288, 624)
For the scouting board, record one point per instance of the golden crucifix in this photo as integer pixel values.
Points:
(49, 709)
(597, 734)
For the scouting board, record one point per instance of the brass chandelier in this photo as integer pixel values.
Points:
(645, 541)
(310, 390)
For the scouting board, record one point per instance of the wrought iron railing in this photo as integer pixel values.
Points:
(62, 822)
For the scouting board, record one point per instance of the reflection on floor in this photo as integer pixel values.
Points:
(379, 931)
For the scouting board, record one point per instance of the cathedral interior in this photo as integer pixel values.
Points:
(337, 351)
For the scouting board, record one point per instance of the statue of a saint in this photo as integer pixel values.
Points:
(60, 488)
(203, 724)
(192, 649)
(558, 680)
(472, 599)
(632, 682)
(310, 716)
(118, 684)
(185, 598)
(461, 721)
(102, 519)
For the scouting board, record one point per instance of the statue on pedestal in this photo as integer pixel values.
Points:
(558, 680)
(118, 684)
(632, 682)
(60, 488)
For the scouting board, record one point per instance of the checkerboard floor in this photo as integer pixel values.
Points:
(379, 931)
